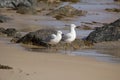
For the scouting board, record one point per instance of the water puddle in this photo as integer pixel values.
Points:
(96, 12)
(86, 53)
(95, 54)
(97, 1)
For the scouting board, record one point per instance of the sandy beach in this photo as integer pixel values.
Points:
(33, 65)
(43, 66)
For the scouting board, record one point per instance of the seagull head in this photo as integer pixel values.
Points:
(59, 32)
(73, 25)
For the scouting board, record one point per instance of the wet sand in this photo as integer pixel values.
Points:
(40, 66)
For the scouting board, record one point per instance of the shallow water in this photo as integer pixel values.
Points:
(97, 1)
(95, 54)
(96, 12)
(86, 53)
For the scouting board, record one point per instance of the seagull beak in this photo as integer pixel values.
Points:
(77, 26)
(63, 34)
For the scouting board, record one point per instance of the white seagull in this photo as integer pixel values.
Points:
(55, 38)
(71, 36)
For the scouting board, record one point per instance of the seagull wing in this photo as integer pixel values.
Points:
(67, 36)
(53, 36)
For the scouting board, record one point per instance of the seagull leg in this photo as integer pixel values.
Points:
(65, 48)
(71, 47)
(56, 47)
(48, 47)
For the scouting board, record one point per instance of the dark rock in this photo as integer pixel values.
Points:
(110, 32)
(112, 10)
(16, 37)
(20, 5)
(24, 9)
(10, 32)
(116, 23)
(117, 0)
(67, 11)
(2, 30)
(74, 1)
(5, 67)
(4, 19)
(13, 3)
(37, 37)
(51, 1)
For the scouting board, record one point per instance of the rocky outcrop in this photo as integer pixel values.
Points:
(112, 9)
(110, 32)
(5, 67)
(4, 19)
(74, 1)
(53, 1)
(117, 0)
(67, 11)
(13, 3)
(57, 1)
(1, 31)
(10, 32)
(38, 38)
(24, 9)
(22, 6)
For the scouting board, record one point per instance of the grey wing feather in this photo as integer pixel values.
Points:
(52, 36)
(64, 37)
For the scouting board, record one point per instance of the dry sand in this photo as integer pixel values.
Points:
(44, 66)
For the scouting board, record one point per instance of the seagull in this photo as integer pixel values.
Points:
(54, 38)
(71, 36)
